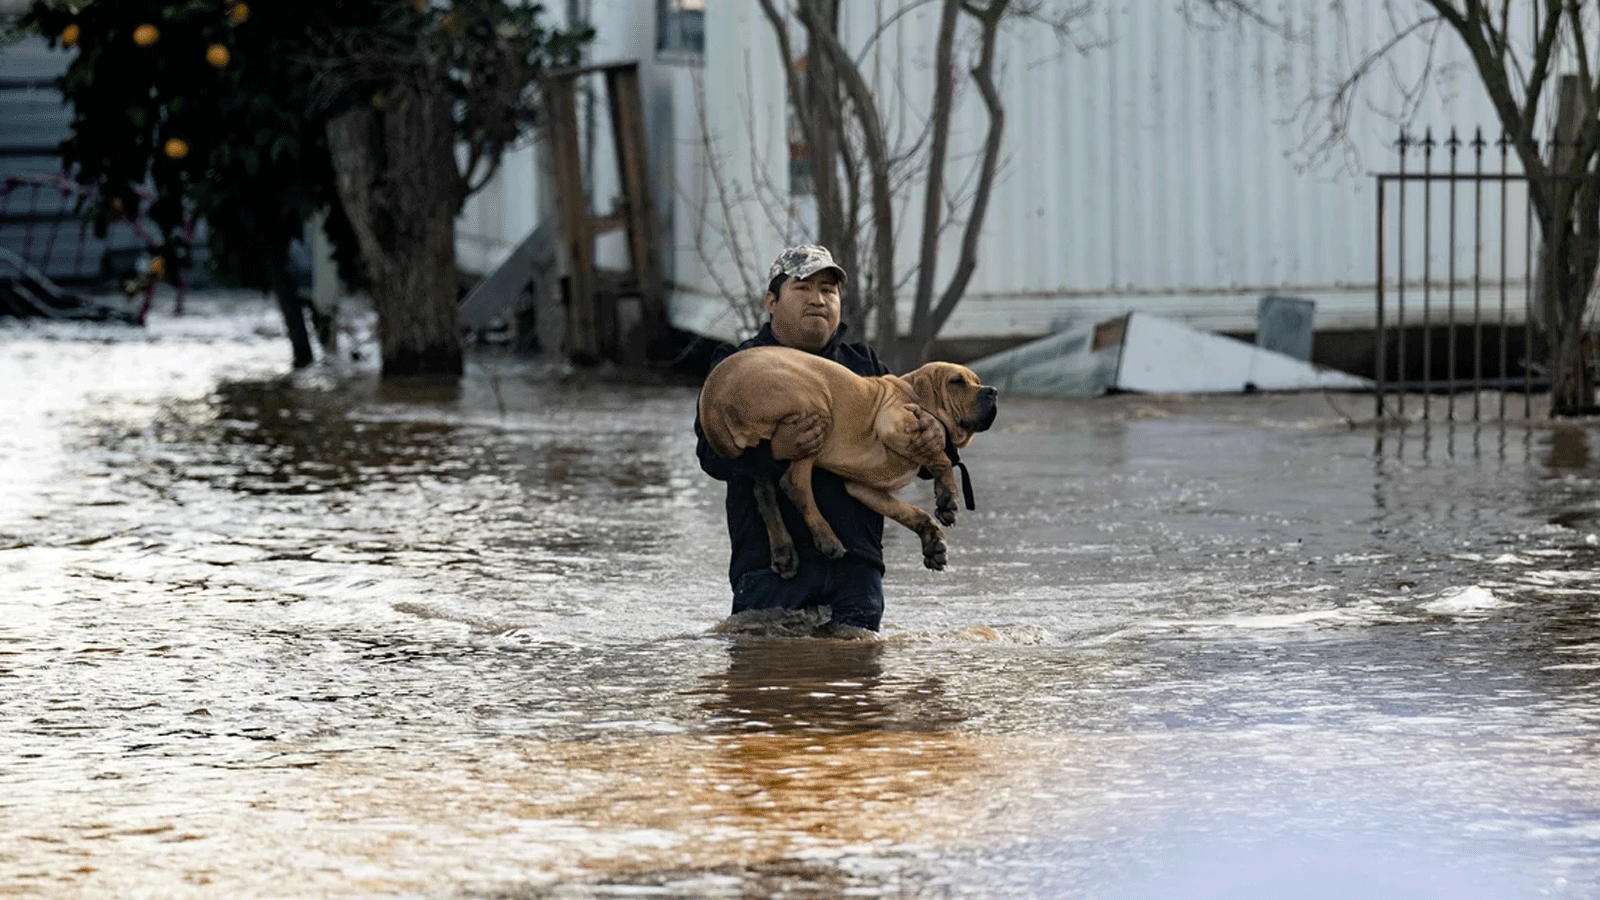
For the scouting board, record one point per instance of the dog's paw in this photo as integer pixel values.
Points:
(830, 547)
(945, 509)
(934, 553)
(785, 561)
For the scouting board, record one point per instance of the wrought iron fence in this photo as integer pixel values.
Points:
(1457, 324)
(50, 252)
(44, 222)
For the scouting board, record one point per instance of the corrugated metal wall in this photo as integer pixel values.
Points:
(1167, 164)
(1156, 159)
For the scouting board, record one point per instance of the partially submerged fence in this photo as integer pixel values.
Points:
(44, 220)
(1457, 282)
(49, 251)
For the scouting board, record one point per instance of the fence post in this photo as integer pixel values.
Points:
(1400, 280)
(1505, 375)
(1427, 272)
(1379, 363)
(1477, 277)
(1451, 363)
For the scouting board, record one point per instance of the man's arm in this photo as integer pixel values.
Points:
(929, 439)
(794, 439)
(755, 462)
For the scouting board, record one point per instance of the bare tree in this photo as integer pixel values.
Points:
(1518, 77)
(721, 228)
(1518, 51)
(863, 169)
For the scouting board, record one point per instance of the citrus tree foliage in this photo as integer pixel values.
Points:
(222, 106)
(205, 101)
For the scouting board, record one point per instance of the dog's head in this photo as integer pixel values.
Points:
(955, 396)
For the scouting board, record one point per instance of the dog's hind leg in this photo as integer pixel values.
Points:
(885, 504)
(796, 484)
(785, 561)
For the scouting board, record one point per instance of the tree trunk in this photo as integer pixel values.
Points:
(875, 143)
(821, 119)
(1571, 253)
(396, 174)
(1570, 271)
(920, 336)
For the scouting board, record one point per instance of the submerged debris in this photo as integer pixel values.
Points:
(27, 293)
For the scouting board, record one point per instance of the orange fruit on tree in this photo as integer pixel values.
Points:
(239, 13)
(217, 55)
(146, 34)
(158, 266)
(69, 35)
(176, 148)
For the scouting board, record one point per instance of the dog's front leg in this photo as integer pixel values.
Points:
(796, 484)
(934, 550)
(901, 429)
(944, 493)
(785, 561)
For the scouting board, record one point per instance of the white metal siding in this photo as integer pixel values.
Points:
(1165, 167)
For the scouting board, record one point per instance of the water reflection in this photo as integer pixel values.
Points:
(821, 687)
(1568, 450)
(313, 441)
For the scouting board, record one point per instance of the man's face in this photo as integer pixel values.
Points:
(805, 311)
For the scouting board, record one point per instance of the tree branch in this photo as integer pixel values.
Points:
(983, 75)
(938, 149)
(860, 94)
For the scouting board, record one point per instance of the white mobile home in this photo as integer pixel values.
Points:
(1156, 159)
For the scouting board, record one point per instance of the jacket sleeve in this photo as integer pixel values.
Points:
(755, 462)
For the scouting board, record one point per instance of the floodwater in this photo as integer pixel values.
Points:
(316, 636)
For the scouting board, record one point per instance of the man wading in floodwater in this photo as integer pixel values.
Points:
(803, 295)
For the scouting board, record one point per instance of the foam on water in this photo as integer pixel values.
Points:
(1468, 601)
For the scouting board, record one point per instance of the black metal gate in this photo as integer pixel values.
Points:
(1457, 323)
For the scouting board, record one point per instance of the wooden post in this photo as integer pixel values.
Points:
(594, 323)
(582, 341)
(633, 167)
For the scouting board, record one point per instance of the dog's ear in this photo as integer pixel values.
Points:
(957, 388)
(933, 386)
(927, 384)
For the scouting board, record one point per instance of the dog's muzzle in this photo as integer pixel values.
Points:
(988, 408)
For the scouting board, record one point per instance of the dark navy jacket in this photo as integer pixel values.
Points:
(859, 529)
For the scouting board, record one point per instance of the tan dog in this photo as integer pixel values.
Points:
(869, 424)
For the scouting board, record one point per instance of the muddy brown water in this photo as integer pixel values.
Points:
(321, 636)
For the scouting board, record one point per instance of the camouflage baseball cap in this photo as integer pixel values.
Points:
(803, 262)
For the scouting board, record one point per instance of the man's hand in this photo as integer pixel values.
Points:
(800, 436)
(927, 439)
